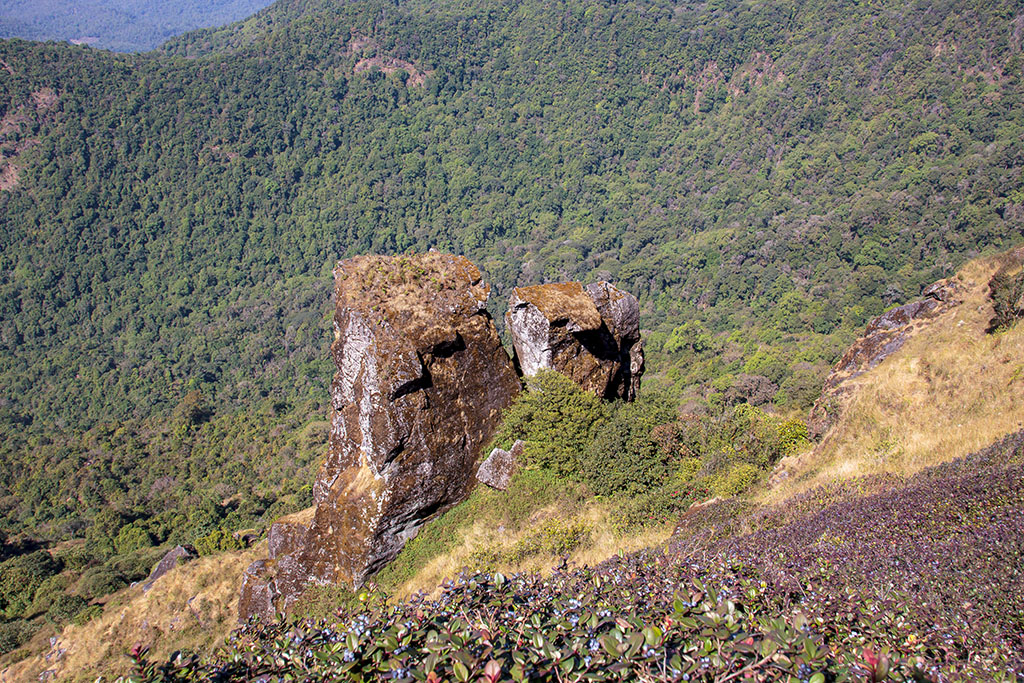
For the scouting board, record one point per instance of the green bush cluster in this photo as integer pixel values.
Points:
(218, 541)
(640, 454)
(20, 577)
(65, 608)
(14, 634)
(556, 420)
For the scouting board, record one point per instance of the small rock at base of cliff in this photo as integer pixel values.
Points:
(497, 470)
(421, 382)
(590, 334)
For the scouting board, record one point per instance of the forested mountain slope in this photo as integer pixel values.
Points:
(765, 176)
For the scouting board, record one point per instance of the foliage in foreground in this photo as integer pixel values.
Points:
(917, 583)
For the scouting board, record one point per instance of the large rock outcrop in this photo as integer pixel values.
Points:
(422, 379)
(590, 334)
(883, 336)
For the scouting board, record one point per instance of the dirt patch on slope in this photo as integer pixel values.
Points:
(8, 177)
(390, 65)
(44, 99)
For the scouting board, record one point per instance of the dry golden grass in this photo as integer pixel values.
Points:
(951, 390)
(604, 543)
(191, 608)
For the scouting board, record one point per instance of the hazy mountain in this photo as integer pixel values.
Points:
(124, 25)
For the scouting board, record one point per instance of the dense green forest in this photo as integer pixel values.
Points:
(765, 176)
(126, 25)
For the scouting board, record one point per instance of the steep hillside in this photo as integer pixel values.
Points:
(764, 176)
(193, 608)
(918, 582)
(954, 387)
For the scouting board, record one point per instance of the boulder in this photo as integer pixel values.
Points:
(421, 382)
(497, 470)
(590, 334)
(177, 554)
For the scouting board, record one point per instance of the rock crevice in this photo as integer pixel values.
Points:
(590, 334)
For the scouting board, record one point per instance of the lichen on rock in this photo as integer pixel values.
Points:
(420, 385)
(590, 334)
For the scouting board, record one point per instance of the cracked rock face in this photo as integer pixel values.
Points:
(590, 334)
(421, 381)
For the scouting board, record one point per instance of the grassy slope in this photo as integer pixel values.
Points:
(191, 608)
(976, 399)
(951, 390)
(924, 576)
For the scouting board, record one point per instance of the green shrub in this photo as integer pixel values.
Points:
(625, 457)
(131, 538)
(657, 507)
(47, 591)
(218, 541)
(77, 558)
(555, 537)
(687, 469)
(20, 577)
(486, 559)
(734, 480)
(556, 420)
(65, 607)
(792, 436)
(87, 615)
(100, 581)
(14, 634)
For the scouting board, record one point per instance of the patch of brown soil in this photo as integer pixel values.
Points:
(754, 73)
(44, 99)
(360, 43)
(708, 77)
(8, 177)
(390, 65)
(12, 122)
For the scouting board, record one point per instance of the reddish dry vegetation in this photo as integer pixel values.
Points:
(918, 581)
(390, 65)
(359, 45)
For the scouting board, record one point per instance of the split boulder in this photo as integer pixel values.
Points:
(590, 334)
(497, 470)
